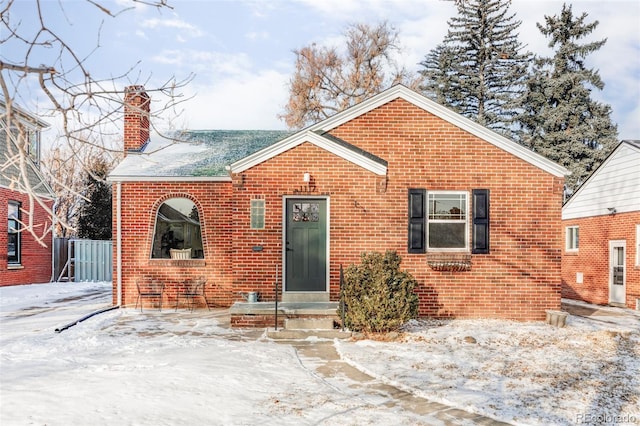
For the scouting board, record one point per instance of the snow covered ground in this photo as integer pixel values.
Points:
(167, 368)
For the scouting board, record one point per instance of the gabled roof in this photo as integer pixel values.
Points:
(327, 142)
(615, 184)
(11, 171)
(193, 155)
(402, 92)
(397, 92)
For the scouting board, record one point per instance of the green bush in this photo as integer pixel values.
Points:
(378, 296)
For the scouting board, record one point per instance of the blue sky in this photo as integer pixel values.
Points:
(240, 52)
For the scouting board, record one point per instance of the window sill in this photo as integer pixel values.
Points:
(571, 252)
(15, 266)
(188, 263)
(448, 261)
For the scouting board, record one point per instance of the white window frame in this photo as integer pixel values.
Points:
(466, 221)
(258, 213)
(15, 230)
(572, 238)
(638, 245)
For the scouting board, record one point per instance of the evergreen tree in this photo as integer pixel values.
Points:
(480, 68)
(94, 220)
(560, 119)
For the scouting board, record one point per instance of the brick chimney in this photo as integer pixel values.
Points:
(136, 118)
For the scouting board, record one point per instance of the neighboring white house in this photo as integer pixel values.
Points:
(601, 259)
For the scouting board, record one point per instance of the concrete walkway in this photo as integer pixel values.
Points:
(320, 357)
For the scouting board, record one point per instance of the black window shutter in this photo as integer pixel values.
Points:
(417, 220)
(480, 221)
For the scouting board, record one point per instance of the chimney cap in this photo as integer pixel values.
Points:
(134, 88)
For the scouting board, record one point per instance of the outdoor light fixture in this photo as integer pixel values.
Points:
(307, 177)
(612, 210)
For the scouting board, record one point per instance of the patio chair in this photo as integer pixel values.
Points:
(149, 288)
(192, 289)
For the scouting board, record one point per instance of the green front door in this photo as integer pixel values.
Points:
(306, 245)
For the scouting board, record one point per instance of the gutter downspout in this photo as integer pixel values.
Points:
(119, 242)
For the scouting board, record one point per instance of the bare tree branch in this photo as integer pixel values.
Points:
(87, 108)
(326, 82)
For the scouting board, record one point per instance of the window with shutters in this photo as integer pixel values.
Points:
(439, 221)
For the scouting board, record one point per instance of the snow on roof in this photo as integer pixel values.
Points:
(202, 154)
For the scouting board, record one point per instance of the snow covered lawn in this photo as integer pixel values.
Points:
(525, 373)
(166, 368)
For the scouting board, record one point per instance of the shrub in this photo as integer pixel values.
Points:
(378, 296)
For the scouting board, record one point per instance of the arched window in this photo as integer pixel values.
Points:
(177, 233)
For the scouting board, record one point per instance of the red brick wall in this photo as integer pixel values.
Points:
(519, 279)
(140, 203)
(36, 260)
(592, 258)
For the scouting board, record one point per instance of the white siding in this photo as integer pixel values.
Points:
(615, 184)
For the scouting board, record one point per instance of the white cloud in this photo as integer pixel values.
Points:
(187, 28)
(257, 35)
(205, 62)
(246, 101)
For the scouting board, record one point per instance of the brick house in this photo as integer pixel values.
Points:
(475, 217)
(23, 260)
(601, 256)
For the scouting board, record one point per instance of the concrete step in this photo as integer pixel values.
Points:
(308, 323)
(285, 334)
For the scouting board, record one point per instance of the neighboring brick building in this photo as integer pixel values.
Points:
(23, 259)
(475, 217)
(601, 258)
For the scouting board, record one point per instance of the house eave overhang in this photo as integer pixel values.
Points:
(49, 195)
(375, 166)
(631, 144)
(131, 178)
(403, 92)
(24, 116)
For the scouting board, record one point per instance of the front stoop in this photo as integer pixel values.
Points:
(296, 320)
(310, 327)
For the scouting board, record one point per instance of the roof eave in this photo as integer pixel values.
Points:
(133, 178)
